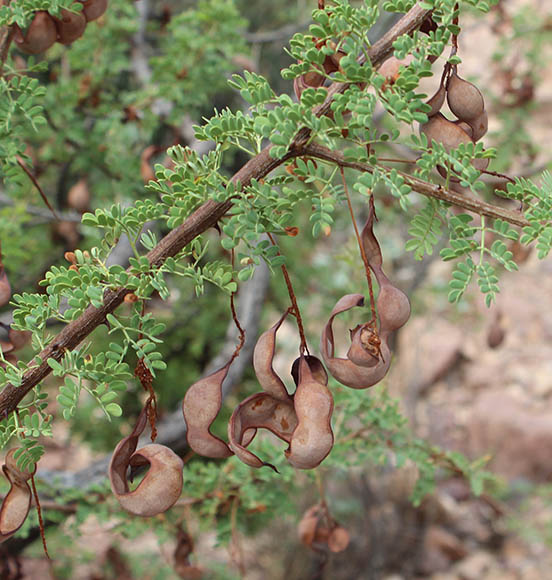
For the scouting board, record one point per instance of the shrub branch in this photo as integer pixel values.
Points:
(208, 214)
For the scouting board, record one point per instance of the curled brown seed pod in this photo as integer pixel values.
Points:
(316, 368)
(451, 135)
(339, 539)
(481, 163)
(201, 405)
(318, 530)
(312, 439)
(464, 98)
(390, 69)
(263, 357)
(308, 80)
(78, 197)
(40, 34)
(369, 356)
(347, 372)
(70, 26)
(93, 9)
(441, 130)
(17, 502)
(465, 127)
(307, 525)
(261, 410)
(479, 126)
(437, 100)
(392, 303)
(162, 484)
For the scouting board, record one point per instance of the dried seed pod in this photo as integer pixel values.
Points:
(261, 410)
(307, 525)
(17, 502)
(339, 539)
(318, 530)
(390, 69)
(78, 196)
(201, 405)
(67, 233)
(443, 173)
(70, 26)
(441, 130)
(6, 347)
(345, 370)
(316, 368)
(479, 126)
(464, 98)
(496, 332)
(451, 135)
(162, 484)
(369, 356)
(481, 163)
(437, 100)
(392, 303)
(263, 356)
(93, 9)
(308, 80)
(331, 62)
(182, 565)
(146, 170)
(5, 288)
(465, 127)
(40, 35)
(19, 338)
(312, 439)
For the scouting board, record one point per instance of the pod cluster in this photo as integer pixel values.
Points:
(466, 102)
(301, 419)
(45, 29)
(318, 530)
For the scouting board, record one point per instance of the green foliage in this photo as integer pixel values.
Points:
(425, 229)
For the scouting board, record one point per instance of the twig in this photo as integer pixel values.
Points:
(34, 181)
(40, 520)
(423, 187)
(70, 216)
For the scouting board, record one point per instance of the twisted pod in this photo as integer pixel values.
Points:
(17, 502)
(302, 420)
(200, 407)
(369, 355)
(162, 484)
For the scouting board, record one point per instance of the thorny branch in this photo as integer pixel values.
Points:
(207, 215)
